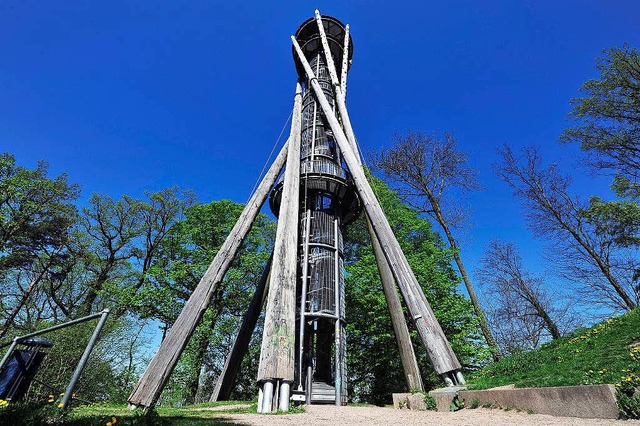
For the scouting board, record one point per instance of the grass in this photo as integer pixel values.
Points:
(106, 414)
(183, 416)
(603, 353)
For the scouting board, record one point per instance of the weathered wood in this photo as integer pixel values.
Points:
(400, 329)
(440, 353)
(340, 95)
(345, 62)
(277, 356)
(155, 377)
(225, 381)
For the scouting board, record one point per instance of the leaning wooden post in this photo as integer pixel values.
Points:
(345, 63)
(442, 357)
(155, 377)
(340, 95)
(400, 329)
(224, 384)
(277, 357)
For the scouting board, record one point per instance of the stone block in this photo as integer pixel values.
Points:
(400, 400)
(416, 402)
(444, 397)
(591, 401)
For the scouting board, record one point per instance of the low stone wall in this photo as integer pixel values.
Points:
(590, 401)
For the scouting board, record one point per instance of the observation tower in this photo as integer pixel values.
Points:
(316, 186)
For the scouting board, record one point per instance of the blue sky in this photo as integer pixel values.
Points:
(139, 95)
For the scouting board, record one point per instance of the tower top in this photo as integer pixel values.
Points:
(308, 37)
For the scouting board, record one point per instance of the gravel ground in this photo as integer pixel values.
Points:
(326, 415)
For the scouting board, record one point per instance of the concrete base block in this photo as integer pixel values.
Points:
(400, 400)
(416, 402)
(592, 401)
(444, 397)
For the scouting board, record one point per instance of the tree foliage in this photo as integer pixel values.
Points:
(607, 127)
(182, 258)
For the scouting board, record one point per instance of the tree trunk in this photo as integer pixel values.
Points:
(482, 319)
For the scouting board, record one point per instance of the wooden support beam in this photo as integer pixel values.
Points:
(340, 96)
(155, 377)
(277, 356)
(225, 381)
(400, 329)
(440, 353)
(345, 62)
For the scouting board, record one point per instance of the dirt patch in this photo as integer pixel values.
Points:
(317, 415)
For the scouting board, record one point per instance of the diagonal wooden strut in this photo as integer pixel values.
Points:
(155, 377)
(440, 353)
(340, 95)
(224, 384)
(401, 331)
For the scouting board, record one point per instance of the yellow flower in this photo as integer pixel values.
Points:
(109, 424)
(60, 405)
(114, 420)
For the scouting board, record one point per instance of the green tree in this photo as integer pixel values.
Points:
(607, 127)
(36, 214)
(373, 364)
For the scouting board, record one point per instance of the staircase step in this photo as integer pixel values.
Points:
(322, 393)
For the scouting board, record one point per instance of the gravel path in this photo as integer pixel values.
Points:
(328, 415)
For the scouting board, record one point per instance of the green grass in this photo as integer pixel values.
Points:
(183, 416)
(29, 414)
(601, 354)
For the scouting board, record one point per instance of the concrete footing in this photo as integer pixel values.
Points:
(591, 401)
(445, 396)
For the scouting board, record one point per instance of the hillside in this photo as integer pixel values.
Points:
(608, 352)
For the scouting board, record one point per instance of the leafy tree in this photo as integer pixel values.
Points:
(373, 364)
(608, 128)
(426, 172)
(36, 213)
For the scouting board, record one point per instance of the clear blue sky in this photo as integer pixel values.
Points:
(139, 95)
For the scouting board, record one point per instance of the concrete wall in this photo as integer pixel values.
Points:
(592, 401)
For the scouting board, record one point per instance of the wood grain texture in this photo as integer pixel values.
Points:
(400, 329)
(277, 355)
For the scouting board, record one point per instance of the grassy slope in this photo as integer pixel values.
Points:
(601, 354)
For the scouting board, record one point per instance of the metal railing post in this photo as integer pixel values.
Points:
(83, 360)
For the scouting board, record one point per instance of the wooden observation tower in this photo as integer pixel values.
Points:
(321, 190)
